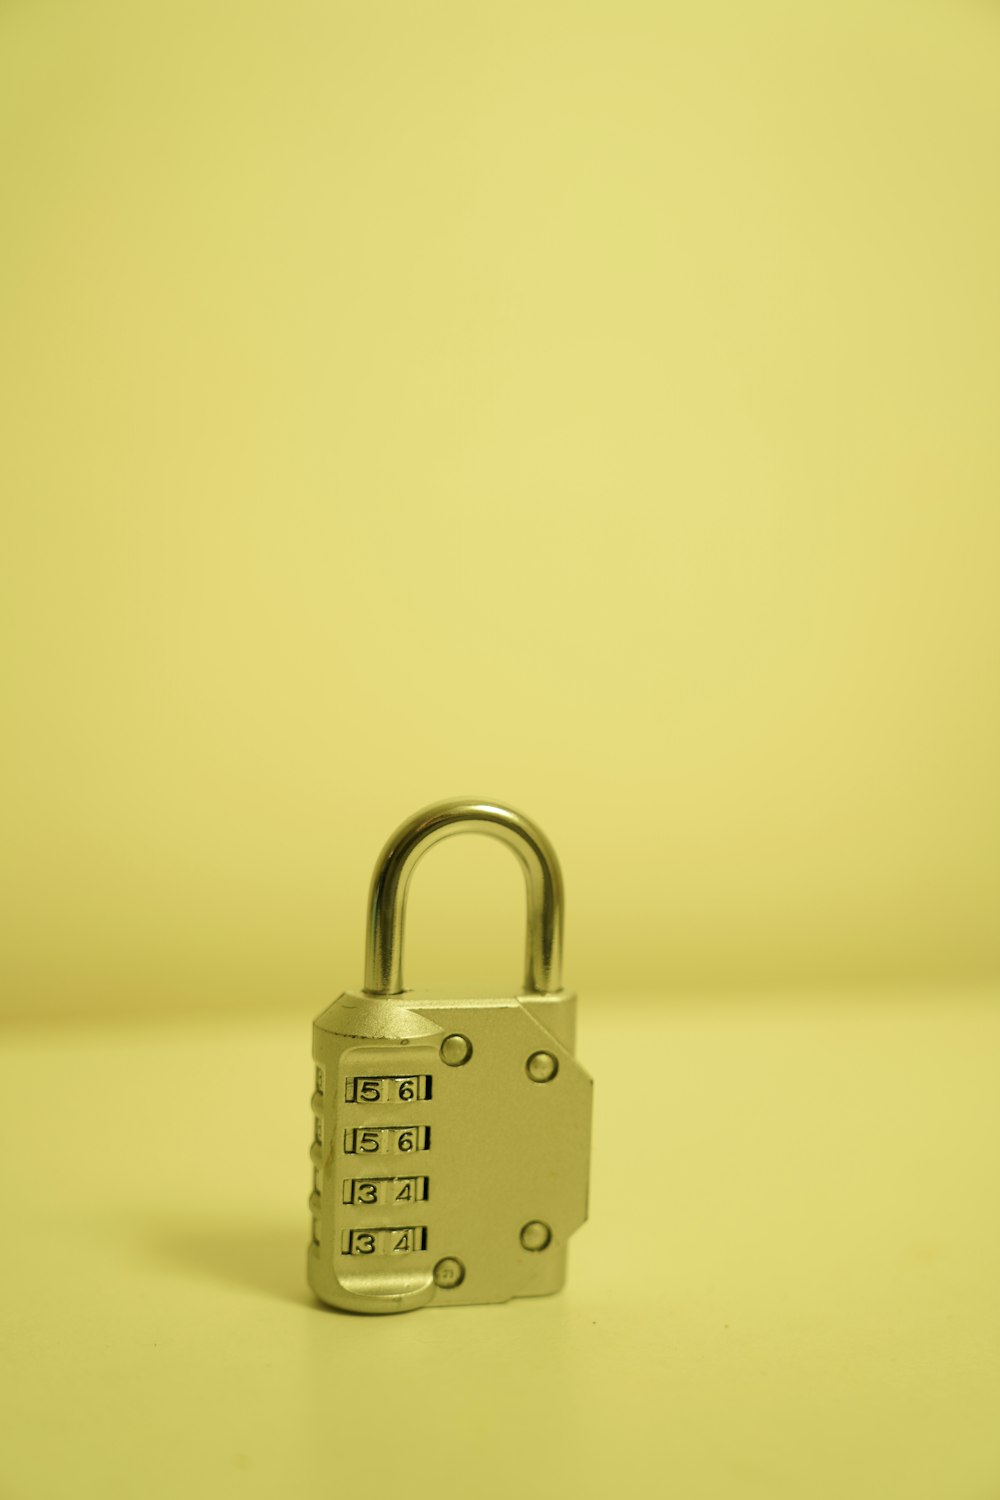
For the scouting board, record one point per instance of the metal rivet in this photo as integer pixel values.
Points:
(535, 1235)
(456, 1050)
(542, 1067)
(449, 1272)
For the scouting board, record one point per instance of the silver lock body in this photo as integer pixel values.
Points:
(451, 1146)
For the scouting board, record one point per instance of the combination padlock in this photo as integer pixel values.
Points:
(451, 1148)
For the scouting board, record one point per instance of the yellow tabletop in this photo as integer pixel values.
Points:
(788, 1286)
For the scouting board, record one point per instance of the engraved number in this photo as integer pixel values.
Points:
(400, 1240)
(388, 1089)
(369, 1190)
(372, 1138)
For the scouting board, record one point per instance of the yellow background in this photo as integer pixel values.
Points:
(591, 406)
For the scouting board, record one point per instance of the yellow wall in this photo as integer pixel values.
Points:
(592, 405)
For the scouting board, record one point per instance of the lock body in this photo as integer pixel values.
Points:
(451, 1148)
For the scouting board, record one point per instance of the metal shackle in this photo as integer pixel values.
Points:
(387, 898)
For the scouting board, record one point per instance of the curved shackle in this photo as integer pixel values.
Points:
(387, 898)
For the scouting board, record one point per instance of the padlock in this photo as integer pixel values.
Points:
(451, 1148)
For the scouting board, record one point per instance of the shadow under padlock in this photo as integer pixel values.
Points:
(451, 1147)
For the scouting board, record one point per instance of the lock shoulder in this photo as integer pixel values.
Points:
(407, 1016)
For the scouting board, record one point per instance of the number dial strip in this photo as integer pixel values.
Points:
(387, 1139)
(369, 1190)
(364, 1195)
(388, 1090)
(379, 1241)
